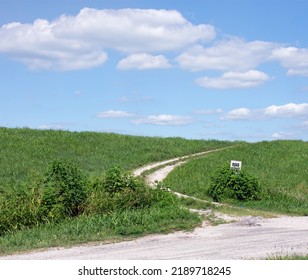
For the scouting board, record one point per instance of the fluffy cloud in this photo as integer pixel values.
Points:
(76, 42)
(114, 114)
(135, 30)
(247, 79)
(143, 61)
(233, 54)
(164, 120)
(238, 114)
(290, 110)
(39, 47)
(296, 60)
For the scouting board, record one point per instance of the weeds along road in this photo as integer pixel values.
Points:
(248, 238)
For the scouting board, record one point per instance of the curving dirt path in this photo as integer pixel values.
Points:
(248, 238)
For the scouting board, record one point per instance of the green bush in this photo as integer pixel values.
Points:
(120, 190)
(233, 184)
(116, 181)
(63, 192)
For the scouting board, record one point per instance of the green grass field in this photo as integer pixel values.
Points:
(280, 166)
(26, 150)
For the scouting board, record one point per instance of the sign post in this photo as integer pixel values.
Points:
(236, 165)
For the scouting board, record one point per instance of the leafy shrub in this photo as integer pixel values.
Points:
(63, 192)
(228, 183)
(120, 190)
(116, 181)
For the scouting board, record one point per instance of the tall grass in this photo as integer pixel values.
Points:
(106, 228)
(280, 166)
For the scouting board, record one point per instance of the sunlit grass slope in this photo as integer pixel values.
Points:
(26, 150)
(280, 166)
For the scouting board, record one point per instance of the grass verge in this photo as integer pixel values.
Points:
(106, 228)
(288, 257)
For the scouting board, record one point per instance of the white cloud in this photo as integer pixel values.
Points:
(283, 135)
(77, 42)
(114, 114)
(288, 110)
(233, 54)
(296, 60)
(238, 114)
(247, 79)
(38, 46)
(143, 61)
(51, 126)
(164, 120)
(208, 111)
(136, 30)
(135, 98)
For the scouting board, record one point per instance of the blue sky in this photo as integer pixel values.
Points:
(201, 69)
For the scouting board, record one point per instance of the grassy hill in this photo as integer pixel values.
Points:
(280, 166)
(26, 150)
(46, 201)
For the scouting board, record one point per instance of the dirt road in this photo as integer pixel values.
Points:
(248, 238)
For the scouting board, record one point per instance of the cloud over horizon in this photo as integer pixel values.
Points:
(290, 110)
(172, 120)
(114, 114)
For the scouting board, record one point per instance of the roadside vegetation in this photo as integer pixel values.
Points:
(288, 257)
(279, 167)
(60, 188)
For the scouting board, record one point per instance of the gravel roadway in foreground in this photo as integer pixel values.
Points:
(250, 238)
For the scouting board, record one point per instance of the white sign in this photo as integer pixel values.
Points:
(235, 164)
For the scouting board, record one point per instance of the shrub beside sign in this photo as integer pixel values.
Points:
(236, 165)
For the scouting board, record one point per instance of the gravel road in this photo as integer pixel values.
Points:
(248, 238)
